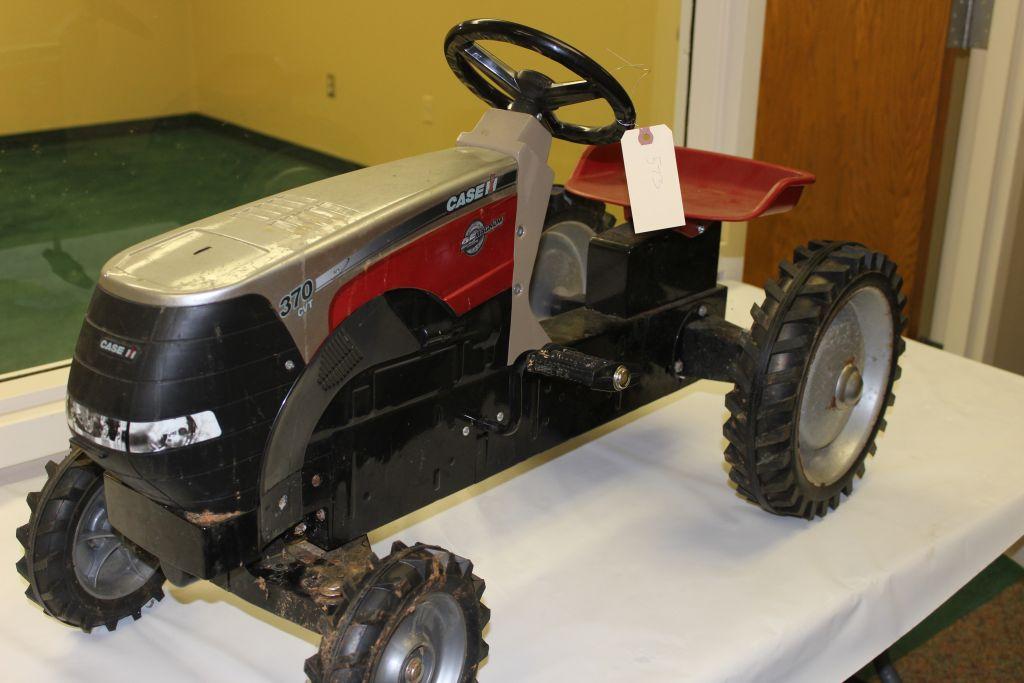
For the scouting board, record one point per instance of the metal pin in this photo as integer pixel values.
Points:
(621, 378)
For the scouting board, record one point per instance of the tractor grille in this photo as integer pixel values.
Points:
(136, 363)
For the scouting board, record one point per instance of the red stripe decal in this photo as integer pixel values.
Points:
(463, 262)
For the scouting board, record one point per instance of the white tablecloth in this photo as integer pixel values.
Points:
(625, 556)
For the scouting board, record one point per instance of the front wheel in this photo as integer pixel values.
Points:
(417, 619)
(815, 378)
(81, 570)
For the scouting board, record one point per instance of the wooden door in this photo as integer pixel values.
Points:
(855, 91)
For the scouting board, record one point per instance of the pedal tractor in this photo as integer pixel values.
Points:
(254, 392)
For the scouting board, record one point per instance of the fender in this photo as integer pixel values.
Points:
(372, 334)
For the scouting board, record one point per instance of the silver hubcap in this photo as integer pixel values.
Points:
(845, 386)
(106, 566)
(428, 646)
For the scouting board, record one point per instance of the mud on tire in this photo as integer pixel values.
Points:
(361, 646)
(771, 455)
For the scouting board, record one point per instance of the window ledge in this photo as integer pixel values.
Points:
(32, 423)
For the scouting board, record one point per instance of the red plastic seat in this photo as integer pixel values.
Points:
(716, 187)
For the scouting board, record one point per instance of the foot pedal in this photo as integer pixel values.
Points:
(561, 362)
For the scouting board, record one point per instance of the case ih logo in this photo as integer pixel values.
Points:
(457, 201)
(476, 234)
(119, 349)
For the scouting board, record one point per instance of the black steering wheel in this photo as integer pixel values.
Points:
(532, 92)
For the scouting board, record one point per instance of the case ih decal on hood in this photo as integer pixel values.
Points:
(119, 348)
(468, 196)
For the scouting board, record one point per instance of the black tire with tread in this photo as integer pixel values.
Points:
(47, 562)
(349, 653)
(764, 404)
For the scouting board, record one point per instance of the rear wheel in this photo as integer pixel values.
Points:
(559, 281)
(815, 378)
(81, 570)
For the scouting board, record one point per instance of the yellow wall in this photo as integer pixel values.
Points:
(263, 65)
(74, 62)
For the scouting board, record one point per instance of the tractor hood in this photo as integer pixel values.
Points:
(204, 261)
(309, 240)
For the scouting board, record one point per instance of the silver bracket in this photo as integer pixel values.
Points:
(521, 136)
(969, 24)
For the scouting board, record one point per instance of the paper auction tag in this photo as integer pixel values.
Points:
(652, 178)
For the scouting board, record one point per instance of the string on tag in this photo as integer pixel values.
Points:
(626, 64)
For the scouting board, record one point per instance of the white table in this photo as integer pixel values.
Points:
(624, 556)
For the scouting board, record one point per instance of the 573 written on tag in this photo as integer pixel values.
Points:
(652, 178)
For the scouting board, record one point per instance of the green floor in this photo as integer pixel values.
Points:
(69, 202)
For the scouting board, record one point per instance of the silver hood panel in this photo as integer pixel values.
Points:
(205, 260)
(324, 231)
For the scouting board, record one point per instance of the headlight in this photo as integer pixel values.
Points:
(103, 431)
(175, 432)
(141, 437)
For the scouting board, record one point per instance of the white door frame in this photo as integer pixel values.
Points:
(986, 192)
(718, 82)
